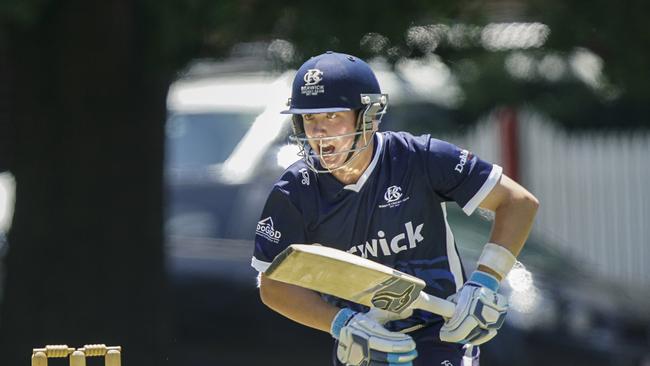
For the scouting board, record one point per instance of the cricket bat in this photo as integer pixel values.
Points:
(350, 277)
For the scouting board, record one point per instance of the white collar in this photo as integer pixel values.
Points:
(364, 177)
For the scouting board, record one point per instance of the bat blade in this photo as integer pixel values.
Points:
(347, 276)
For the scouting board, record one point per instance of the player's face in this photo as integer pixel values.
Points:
(323, 129)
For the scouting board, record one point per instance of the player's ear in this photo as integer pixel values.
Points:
(297, 125)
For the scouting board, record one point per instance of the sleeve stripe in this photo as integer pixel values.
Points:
(489, 183)
(259, 265)
(454, 260)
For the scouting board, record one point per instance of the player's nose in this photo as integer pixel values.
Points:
(319, 127)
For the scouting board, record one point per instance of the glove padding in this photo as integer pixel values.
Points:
(479, 313)
(365, 342)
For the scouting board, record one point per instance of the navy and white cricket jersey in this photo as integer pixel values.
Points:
(395, 214)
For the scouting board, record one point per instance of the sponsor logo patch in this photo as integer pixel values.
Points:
(463, 157)
(305, 176)
(265, 229)
(389, 246)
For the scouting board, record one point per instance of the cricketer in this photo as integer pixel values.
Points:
(383, 196)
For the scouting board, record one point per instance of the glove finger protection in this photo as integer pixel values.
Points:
(363, 341)
(480, 310)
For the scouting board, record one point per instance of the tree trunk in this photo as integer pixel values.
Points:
(85, 263)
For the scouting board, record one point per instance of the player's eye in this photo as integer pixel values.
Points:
(331, 115)
(307, 117)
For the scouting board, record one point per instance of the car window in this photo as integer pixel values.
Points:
(200, 139)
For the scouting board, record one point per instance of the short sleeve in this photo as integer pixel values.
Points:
(280, 225)
(457, 174)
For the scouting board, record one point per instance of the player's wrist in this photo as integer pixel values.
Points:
(496, 261)
(484, 279)
(340, 320)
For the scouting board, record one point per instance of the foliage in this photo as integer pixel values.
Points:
(610, 31)
(174, 32)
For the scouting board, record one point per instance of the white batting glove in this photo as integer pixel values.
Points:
(362, 341)
(480, 310)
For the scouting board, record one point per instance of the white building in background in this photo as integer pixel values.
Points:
(593, 190)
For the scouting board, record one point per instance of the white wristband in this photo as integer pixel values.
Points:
(497, 258)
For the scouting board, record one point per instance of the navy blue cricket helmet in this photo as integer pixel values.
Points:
(332, 82)
(335, 82)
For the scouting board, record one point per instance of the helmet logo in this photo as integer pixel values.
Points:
(311, 78)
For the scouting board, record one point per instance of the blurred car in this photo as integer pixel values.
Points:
(224, 136)
(225, 147)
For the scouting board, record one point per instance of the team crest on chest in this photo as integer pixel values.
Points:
(393, 197)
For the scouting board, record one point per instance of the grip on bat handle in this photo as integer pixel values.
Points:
(434, 305)
(384, 316)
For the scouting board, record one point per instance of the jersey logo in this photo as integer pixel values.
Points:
(446, 363)
(393, 197)
(464, 156)
(305, 176)
(393, 193)
(389, 246)
(265, 229)
(312, 78)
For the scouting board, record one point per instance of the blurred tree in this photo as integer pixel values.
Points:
(611, 33)
(590, 73)
(5, 128)
(616, 32)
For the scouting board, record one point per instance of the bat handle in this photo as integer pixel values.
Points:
(424, 301)
(384, 316)
(434, 305)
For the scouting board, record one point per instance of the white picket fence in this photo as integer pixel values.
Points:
(593, 188)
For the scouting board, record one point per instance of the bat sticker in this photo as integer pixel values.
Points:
(394, 297)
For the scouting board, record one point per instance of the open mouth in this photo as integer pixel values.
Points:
(326, 149)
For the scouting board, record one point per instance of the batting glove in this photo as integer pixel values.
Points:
(480, 312)
(362, 341)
